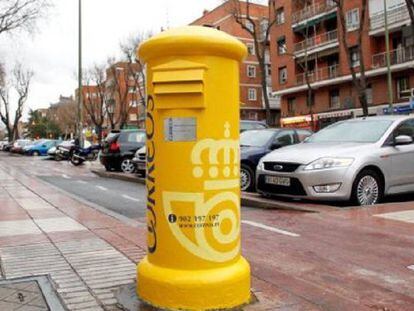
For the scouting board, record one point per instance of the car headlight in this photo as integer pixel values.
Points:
(326, 163)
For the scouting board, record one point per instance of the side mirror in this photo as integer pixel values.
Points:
(403, 140)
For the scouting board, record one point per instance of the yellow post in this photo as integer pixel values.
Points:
(193, 165)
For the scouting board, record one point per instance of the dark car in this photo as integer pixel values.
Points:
(246, 125)
(18, 145)
(119, 148)
(257, 143)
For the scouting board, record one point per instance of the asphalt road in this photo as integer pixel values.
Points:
(122, 197)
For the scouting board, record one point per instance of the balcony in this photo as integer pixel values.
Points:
(395, 17)
(318, 42)
(319, 74)
(398, 56)
(316, 10)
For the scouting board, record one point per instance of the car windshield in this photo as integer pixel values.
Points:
(364, 131)
(255, 138)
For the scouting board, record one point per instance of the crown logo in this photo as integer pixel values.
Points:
(222, 158)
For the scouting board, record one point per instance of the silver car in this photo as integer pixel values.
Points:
(361, 160)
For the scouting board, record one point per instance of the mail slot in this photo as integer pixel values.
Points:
(194, 257)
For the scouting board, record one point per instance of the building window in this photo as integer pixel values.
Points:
(250, 49)
(133, 117)
(280, 16)
(133, 103)
(352, 20)
(249, 25)
(252, 94)
(403, 88)
(251, 71)
(334, 100)
(132, 89)
(252, 115)
(281, 46)
(355, 61)
(291, 104)
(283, 75)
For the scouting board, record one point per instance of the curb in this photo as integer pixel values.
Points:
(257, 201)
(119, 176)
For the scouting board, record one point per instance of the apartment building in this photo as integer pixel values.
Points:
(309, 32)
(222, 18)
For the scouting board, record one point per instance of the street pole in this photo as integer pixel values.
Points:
(80, 99)
(387, 46)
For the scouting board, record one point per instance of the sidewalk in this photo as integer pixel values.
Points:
(86, 253)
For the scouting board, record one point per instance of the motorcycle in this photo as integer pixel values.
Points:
(80, 155)
(64, 150)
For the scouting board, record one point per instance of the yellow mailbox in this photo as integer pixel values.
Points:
(193, 164)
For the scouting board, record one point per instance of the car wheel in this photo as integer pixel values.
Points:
(127, 166)
(35, 153)
(367, 189)
(246, 178)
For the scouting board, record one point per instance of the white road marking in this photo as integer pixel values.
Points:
(102, 188)
(411, 267)
(273, 229)
(81, 182)
(130, 198)
(66, 176)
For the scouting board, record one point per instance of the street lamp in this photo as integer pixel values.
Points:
(387, 46)
(80, 99)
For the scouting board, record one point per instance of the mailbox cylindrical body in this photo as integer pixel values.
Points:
(193, 165)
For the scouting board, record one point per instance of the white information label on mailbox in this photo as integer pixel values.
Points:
(180, 129)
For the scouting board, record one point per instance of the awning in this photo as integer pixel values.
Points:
(293, 120)
(315, 21)
(334, 114)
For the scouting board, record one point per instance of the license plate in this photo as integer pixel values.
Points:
(277, 180)
(141, 166)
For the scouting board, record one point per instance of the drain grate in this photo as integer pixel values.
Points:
(30, 293)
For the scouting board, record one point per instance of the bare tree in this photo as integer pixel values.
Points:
(135, 66)
(20, 83)
(121, 79)
(21, 14)
(259, 29)
(64, 114)
(359, 83)
(94, 103)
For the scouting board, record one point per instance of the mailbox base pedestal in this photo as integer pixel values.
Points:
(220, 288)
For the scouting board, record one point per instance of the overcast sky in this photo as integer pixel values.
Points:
(52, 51)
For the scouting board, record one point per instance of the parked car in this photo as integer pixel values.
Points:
(140, 161)
(7, 147)
(361, 160)
(246, 125)
(32, 143)
(41, 148)
(19, 144)
(52, 152)
(3, 143)
(257, 143)
(119, 148)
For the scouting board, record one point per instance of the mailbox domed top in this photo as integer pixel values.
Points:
(192, 40)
